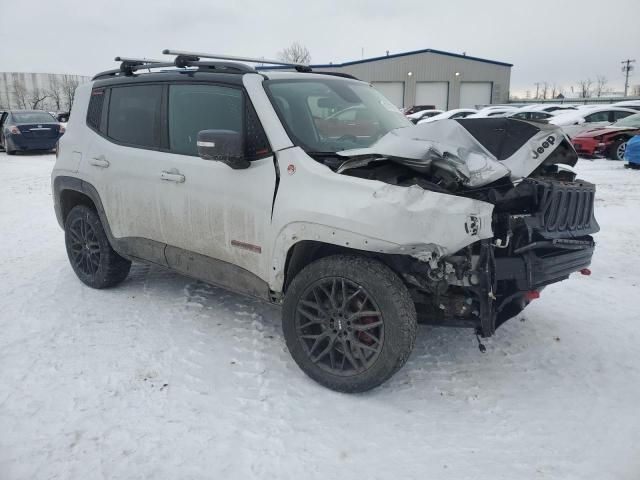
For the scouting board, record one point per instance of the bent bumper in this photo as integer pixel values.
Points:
(20, 142)
(532, 271)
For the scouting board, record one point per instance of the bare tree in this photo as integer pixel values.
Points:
(585, 88)
(601, 85)
(69, 85)
(20, 93)
(36, 98)
(295, 53)
(544, 90)
(55, 93)
(556, 90)
(636, 90)
(4, 101)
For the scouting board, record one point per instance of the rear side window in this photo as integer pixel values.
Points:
(597, 117)
(194, 107)
(94, 112)
(619, 115)
(134, 115)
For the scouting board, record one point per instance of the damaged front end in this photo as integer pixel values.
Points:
(542, 220)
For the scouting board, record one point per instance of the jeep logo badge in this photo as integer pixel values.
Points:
(546, 144)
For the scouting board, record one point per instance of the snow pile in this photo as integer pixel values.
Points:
(167, 378)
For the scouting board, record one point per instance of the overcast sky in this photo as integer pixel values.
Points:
(559, 41)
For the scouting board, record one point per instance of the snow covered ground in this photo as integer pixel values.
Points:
(168, 378)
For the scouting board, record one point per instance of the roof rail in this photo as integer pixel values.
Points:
(195, 56)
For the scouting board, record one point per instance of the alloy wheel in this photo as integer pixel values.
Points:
(340, 326)
(620, 151)
(84, 247)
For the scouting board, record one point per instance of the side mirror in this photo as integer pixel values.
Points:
(224, 146)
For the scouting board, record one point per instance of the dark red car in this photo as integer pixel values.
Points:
(609, 142)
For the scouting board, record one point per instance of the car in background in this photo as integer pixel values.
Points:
(634, 104)
(632, 153)
(354, 122)
(493, 112)
(576, 122)
(548, 107)
(22, 130)
(418, 108)
(450, 115)
(423, 114)
(532, 115)
(610, 141)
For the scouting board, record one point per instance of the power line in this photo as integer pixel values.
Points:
(627, 68)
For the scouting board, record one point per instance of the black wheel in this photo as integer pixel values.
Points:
(89, 251)
(617, 149)
(349, 322)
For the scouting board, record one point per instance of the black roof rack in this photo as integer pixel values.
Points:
(188, 60)
(197, 55)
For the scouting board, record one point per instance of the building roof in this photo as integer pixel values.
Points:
(413, 52)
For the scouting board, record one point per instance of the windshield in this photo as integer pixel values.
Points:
(333, 115)
(33, 117)
(630, 121)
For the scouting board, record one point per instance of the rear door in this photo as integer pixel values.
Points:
(124, 162)
(209, 208)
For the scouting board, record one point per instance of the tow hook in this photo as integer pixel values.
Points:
(585, 271)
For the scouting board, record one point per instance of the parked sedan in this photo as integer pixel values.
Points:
(609, 142)
(422, 114)
(579, 121)
(22, 130)
(493, 112)
(450, 115)
(531, 114)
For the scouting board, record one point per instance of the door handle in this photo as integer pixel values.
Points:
(172, 176)
(99, 162)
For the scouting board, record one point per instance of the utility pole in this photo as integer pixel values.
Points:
(627, 68)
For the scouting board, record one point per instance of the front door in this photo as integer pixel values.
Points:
(205, 206)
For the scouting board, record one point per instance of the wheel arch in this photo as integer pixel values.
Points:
(71, 191)
(305, 252)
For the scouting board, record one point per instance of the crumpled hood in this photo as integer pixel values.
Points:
(479, 151)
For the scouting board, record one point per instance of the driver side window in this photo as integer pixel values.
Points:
(196, 107)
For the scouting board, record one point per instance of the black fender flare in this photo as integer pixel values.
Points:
(62, 183)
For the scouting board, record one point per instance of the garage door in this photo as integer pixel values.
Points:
(394, 91)
(432, 93)
(475, 93)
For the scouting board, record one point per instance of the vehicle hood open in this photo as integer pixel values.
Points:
(476, 151)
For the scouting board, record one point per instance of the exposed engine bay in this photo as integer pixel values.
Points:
(542, 219)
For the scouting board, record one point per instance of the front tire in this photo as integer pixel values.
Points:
(91, 256)
(617, 149)
(349, 322)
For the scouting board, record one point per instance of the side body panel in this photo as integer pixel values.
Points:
(315, 203)
(217, 211)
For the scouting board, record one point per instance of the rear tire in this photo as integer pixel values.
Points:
(6, 147)
(91, 256)
(617, 149)
(349, 322)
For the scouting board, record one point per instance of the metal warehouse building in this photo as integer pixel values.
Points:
(432, 77)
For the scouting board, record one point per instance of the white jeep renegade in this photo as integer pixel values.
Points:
(312, 191)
